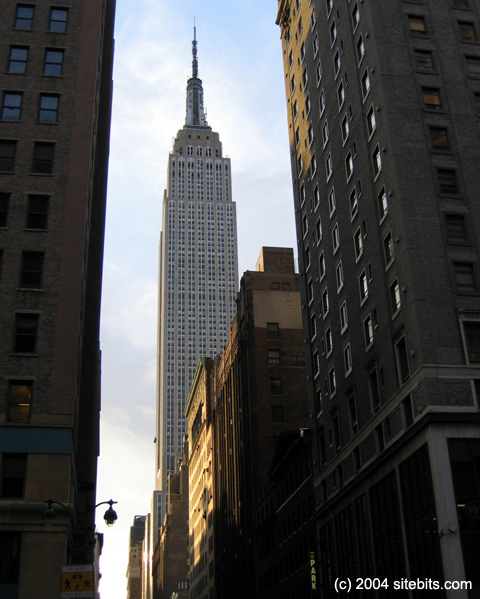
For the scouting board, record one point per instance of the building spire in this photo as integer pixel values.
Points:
(196, 116)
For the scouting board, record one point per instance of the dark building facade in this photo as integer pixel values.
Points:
(56, 87)
(383, 109)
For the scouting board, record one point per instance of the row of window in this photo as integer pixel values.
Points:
(36, 216)
(31, 269)
(11, 109)
(52, 63)
(43, 155)
(25, 15)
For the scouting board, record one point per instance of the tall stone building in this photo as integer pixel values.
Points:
(56, 87)
(198, 270)
(383, 112)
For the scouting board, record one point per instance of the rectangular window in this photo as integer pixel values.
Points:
(431, 98)
(53, 64)
(332, 204)
(26, 330)
(48, 108)
(43, 155)
(371, 121)
(417, 25)
(374, 389)
(368, 331)
(339, 275)
(4, 205)
(335, 238)
(358, 243)
(328, 166)
(402, 360)
(352, 412)
(472, 338)
(8, 150)
(473, 66)
(388, 249)
(58, 20)
(343, 317)
(360, 49)
(24, 16)
(341, 95)
(467, 31)
(273, 331)
(424, 60)
(465, 278)
(11, 106)
(347, 359)
(332, 381)
(14, 469)
(37, 212)
(395, 297)
(20, 400)
(377, 161)
(278, 416)
(31, 274)
(336, 63)
(382, 204)
(10, 558)
(439, 138)
(276, 386)
(456, 229)
(363, 285)
(17, 60)
(349, 165)
(328, 341)
(447, 181)
(325, 303)
(355, 16)
(365, 84)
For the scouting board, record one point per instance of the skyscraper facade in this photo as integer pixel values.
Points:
(383, 107)
(198, 269)
(56, 90)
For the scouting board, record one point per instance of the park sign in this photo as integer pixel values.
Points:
(77, 582)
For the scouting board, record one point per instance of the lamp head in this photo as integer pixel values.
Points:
(110, 515)
(49, 514)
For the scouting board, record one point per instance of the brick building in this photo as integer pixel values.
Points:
(56, 87)
(383, 111)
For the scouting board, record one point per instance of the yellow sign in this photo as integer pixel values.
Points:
(77, 582)
(313, 572)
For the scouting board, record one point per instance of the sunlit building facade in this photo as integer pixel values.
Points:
(198, 274)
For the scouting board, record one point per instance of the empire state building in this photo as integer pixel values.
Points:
(198, 271)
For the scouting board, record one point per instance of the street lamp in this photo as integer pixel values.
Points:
(110, 515)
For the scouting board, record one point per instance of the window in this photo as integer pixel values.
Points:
(292, 84)
(14, 468)
(26, 330)
(307, 105)
(352, 412)
(276, 386)
(368, 331)
(58, 20)
(37, 212)
(465, 278)
(336, 63)
(278, 415)
(341, 94)
(318, 230)
(325, 134)
(310, 134)
(358, 243)
(349, 165)
(343, 317)
(353, 203)
(382, 204)
(31, 274)
(43, 154)
(4, 205)
(313, 326)
(402, 360)
(345, 128)
(325, 302)
(388, 249)
(316, 197)
(431, 98)
(335, 238)
(339, 276)
(328, 166)
(24, 16)
(360, 49)
(424, 60)
(417, 25)
(456, 229)
(473, 66)
(395, 297)
(329, 6)
(305, 224)
(439, 138)
(355, 16)
(363, 285)
(467, 31)
(9, 558)
(53, 62)
(332, 384)
(310, 294)
(365, 84)
(447, 181)
(321, 265)
(17, 60)
(305, 77)
(48, 109)
(333, 32)
(373, 389)
(377, 161)
(321, 102)
(318, 72)
(347, 359)
(328, 341)
(11, 106)
(274, 357)
(20, 399)
(332, 204)
(7, 155)
(461, 3)
(371, 122)
(472, 338)
(316, 364)
(273, 331)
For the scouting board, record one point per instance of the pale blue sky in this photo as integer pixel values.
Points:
(240, 63)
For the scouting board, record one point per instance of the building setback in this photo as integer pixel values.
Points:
(198, 273)
(135, 558)
(56, 86)
(383, 106)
